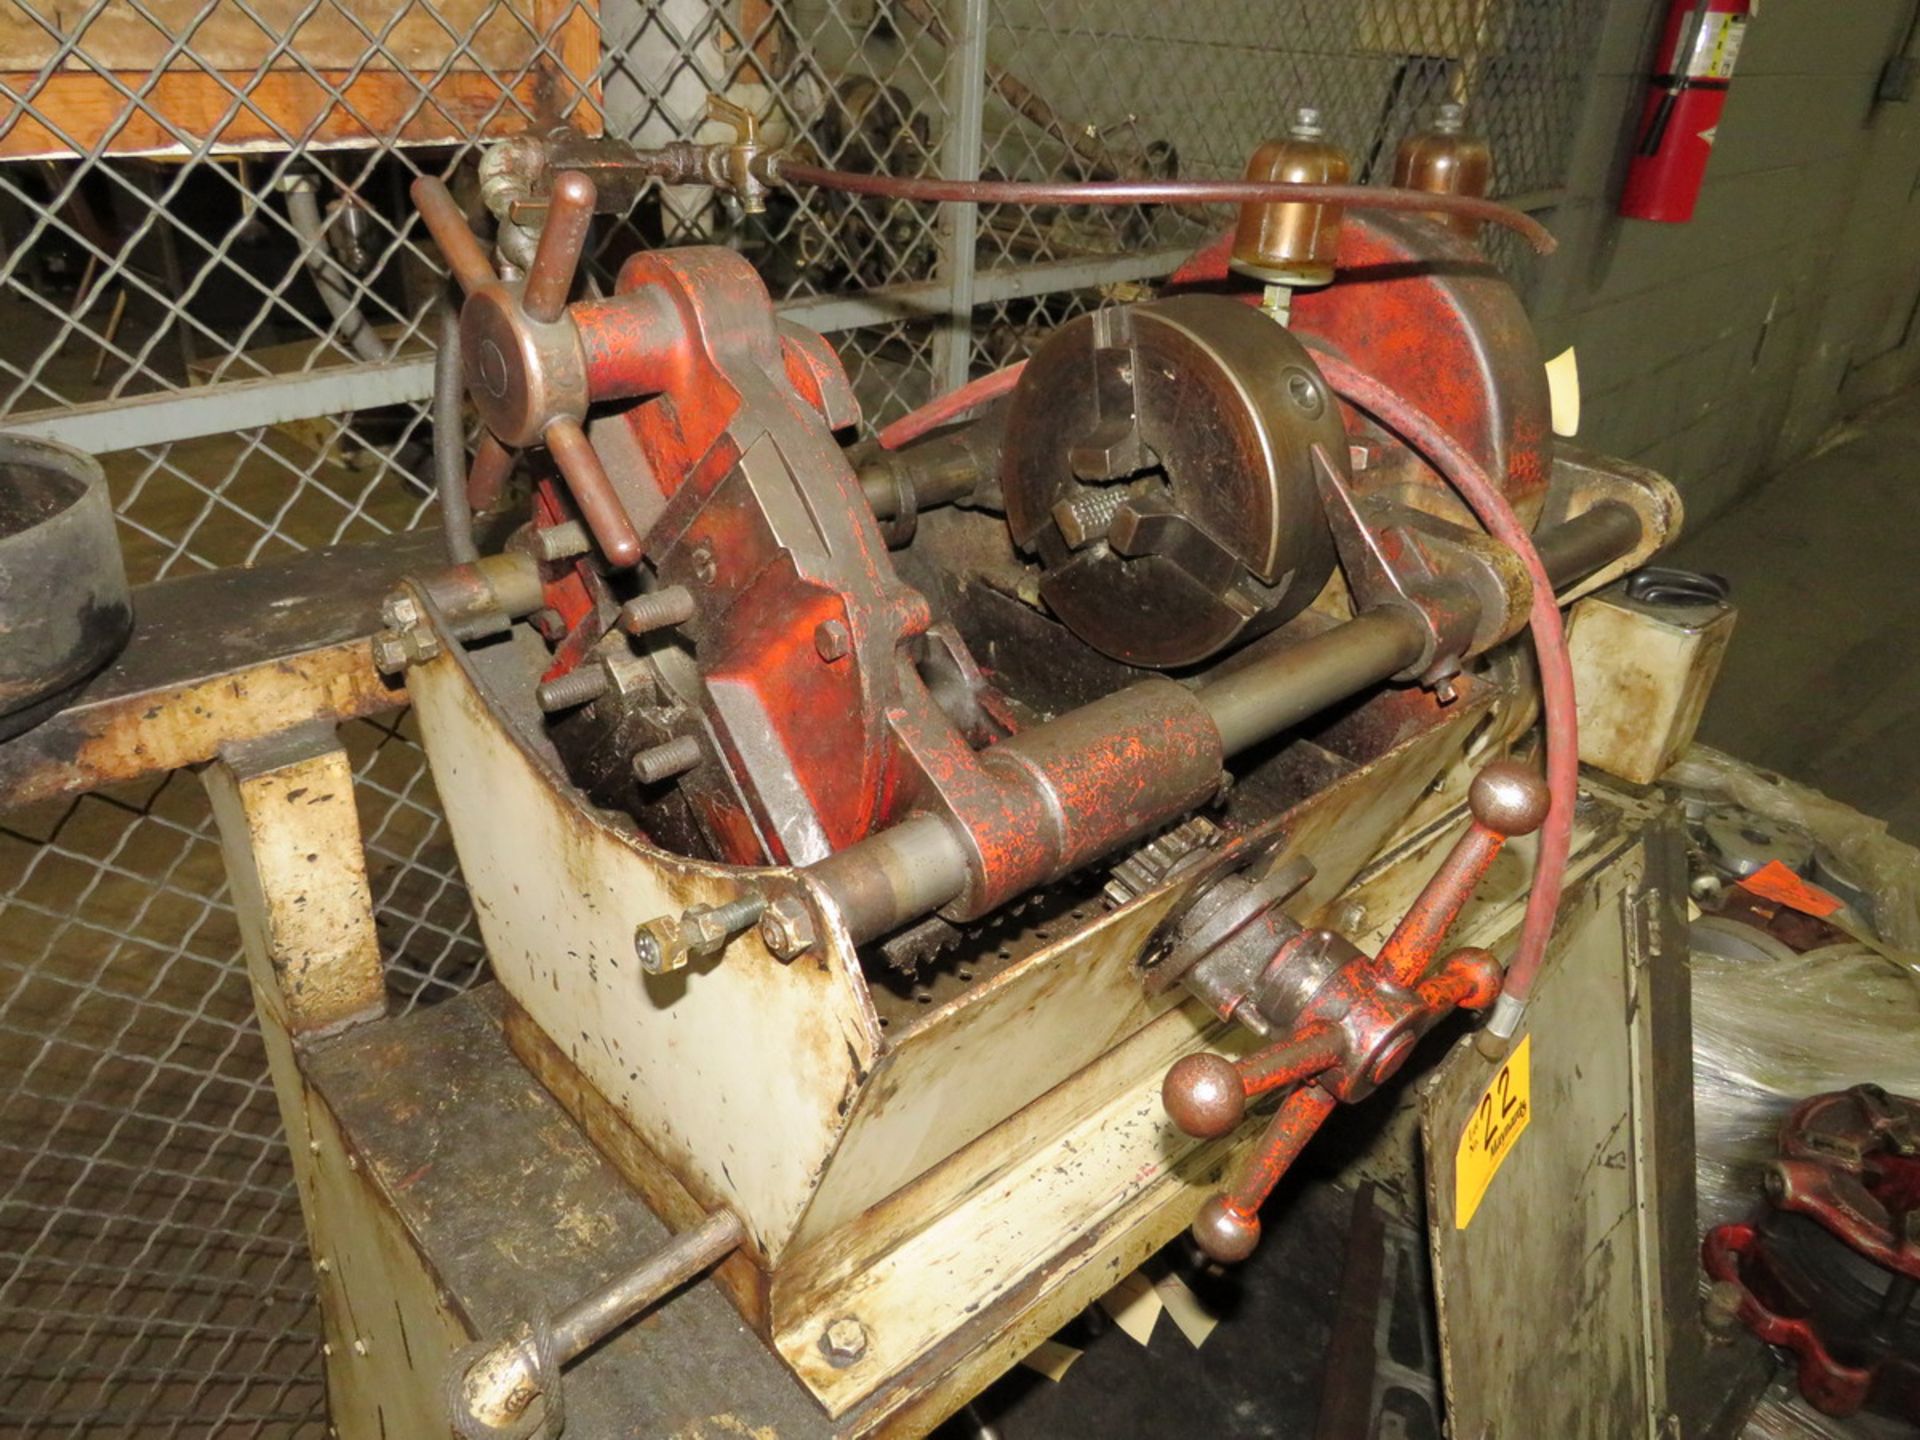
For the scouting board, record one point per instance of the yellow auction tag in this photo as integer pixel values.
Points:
(1492, 1130)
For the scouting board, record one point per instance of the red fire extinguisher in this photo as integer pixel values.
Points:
(1681, 116)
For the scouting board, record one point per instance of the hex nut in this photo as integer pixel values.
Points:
(712, 926)
(389, 653)
(661, 945)
(422, 645)
(787, 928)
(843, 1341)
(399, 611)
(831, 640)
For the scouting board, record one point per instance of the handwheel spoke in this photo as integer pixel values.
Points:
(593, 493)
(492, 464)
(448, 226)
(562, 239)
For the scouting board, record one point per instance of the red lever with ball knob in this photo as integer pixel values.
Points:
(1358, 1019)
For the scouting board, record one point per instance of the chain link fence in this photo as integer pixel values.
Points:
(212, 278)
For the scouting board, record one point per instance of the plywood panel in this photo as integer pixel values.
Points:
(354, 73)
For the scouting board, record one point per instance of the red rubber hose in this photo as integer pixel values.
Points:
(942, 408)
(1487, 502)
(935, 189)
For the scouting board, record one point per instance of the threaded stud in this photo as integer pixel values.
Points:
(736, 915)
(574, 688)
(663, 762)
(562, 542)
(657, 610)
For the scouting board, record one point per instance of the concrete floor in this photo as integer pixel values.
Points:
(1822, 681)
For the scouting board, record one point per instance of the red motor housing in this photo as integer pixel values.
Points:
(1681, 115)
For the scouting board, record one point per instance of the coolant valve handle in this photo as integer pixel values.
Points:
(1360, 1023)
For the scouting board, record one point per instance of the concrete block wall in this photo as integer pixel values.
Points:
(1720, 350)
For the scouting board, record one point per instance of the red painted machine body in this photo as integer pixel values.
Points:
(1421, 310)
(1680, 118)
(1831, 1268)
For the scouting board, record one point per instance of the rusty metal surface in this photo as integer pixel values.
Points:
(1350, 1020)
(1569, 1305)
(1644, 669)
(221, 657)
(737, 1070)
(296, 863)
(511, 1211)
(1585, 480)
(1422, 311)
(1539, 1298)
(1017, 1031)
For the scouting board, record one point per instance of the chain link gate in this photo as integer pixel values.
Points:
(212, 279)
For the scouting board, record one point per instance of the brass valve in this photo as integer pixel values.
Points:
(736, 168)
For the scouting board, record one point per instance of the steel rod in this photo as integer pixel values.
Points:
(1576, 548)
(1257, 700)
(688, 1254)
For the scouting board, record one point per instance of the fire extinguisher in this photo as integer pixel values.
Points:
(1681, 115)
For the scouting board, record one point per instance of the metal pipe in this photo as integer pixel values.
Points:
(667, 1269)
(937, 189)
(501, 1383)
(303, 209)
(895, 875)
(935, 471)
(450, 441)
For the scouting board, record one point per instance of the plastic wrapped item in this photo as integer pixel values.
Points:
(1770, 1030)
(1771, 1026)
(1783, 1415)
(1858, 852)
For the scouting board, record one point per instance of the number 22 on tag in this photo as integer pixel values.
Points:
(1492, 1131)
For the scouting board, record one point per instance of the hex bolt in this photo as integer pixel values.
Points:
(561, 542)
(831, 640)
(658, 945)
(395, 650)
(1087, 515)
(576, 687)
(657, 610)
(667, 943)
(844, 1341)
(663, 762)
(787, 928)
